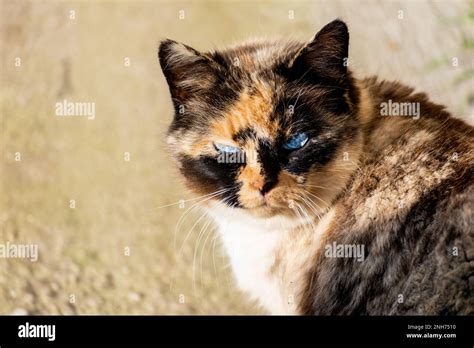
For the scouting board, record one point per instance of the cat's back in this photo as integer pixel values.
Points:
(411, 205)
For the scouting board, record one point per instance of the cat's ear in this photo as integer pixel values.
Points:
(326, 56)
(187, 71)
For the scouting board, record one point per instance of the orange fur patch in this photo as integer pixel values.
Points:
(251, 110)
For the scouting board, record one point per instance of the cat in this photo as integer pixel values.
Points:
(348, 196)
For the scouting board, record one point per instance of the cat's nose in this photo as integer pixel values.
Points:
(263, 185)
(267, 186)
(258, 183)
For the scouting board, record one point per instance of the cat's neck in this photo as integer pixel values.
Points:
(390, 111)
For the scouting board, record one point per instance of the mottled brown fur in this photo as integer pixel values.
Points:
(411, 171)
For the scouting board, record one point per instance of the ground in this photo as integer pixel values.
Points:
(90, 192)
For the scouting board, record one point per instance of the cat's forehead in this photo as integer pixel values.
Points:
(246, 104)
(253, 111)
(246, 120)
(257, 55)
(251, 115)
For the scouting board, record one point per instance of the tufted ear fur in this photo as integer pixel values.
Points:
(325, 57)
(187, 71)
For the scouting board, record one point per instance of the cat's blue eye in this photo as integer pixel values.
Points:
(296, 141)
(226, 148)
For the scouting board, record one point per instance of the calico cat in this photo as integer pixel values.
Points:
(333, 195)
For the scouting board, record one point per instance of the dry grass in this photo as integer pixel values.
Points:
(81, 250)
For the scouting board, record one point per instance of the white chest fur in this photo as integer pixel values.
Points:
(251, 244)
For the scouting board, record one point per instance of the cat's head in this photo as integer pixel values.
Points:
(267, 126)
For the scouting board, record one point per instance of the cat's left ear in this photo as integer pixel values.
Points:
(187, 71)
(325, 57)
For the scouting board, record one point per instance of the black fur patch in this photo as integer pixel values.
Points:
(210, 176)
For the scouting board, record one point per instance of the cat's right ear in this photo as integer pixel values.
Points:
(325, 57)
(187, 71)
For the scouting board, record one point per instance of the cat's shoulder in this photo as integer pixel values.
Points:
(408, 160)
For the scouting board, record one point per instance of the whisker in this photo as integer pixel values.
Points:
(313, 206)
(203, 215)
(312, 194)
(305, 217)
(297, 212)
(202, 253)
(213, 253)
(182, 218)
(196, 247)
(188, 200)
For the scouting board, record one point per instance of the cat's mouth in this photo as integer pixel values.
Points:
(276, 202)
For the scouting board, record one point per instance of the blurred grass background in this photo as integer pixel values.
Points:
(83, 251)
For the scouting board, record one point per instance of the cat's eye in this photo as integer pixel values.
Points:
(296, 141)
(226, 148)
